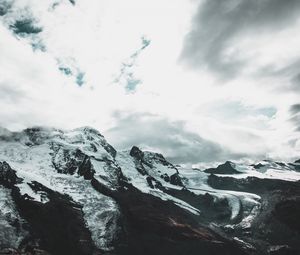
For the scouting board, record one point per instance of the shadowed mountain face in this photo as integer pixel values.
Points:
(226, 168)
(71, 192)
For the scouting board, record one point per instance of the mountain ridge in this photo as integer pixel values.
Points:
(129, 202)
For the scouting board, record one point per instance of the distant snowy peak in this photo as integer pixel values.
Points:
(265, 169)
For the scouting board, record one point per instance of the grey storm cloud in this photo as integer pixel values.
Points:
(290, 72)
(295, 81)
(295, 115)
(295, 109)
(217, 22)
(170, 138)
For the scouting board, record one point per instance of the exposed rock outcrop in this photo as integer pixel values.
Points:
(226, 168)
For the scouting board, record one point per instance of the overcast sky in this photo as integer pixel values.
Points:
(199, 81)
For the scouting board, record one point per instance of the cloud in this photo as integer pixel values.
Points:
(288, 74)
(90, 60)
(152, 132)
(217, 24)
(10, 93)
(295, 81)
(295, 109)
(295, 115)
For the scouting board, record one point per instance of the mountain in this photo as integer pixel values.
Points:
(71, 192)
(226, 168)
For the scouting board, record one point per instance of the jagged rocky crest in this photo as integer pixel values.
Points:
(71, 192)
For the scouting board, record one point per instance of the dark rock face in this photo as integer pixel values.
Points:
(110, 149)
(176, 180)
(297, 161)
(150, 225)
(226, 168)
(165, 177)
(138, 156)
(56, 226)
(258, 166)
(154, 184)
(212, 210)
(288, 211)
(296, 167)
(278, 220)
(280, 163)
(145, 160)
(8, 177)
(85, 169)
(154, 226)
(136, 153)
(251, 184)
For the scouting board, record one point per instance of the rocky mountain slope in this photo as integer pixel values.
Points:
(71, 192)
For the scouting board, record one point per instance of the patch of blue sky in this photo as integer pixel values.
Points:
(80, 78)
(126, 76)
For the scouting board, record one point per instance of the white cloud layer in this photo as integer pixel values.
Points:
(68, 75)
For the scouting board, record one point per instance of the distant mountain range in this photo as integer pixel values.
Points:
(71, 192)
